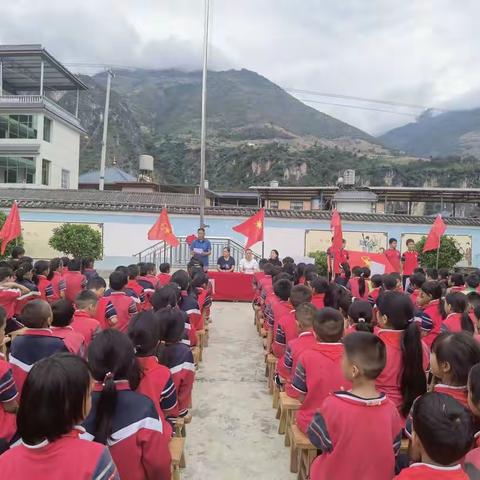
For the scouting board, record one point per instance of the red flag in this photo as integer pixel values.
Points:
(11, 229)
(378, 263)
(190, 239)
(252, 228)
(433, 240)
(162, 230)
(336, 227)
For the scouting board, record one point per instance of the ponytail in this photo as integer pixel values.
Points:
(458, 304)
(105, 409)
(361, 313)
(466, 323)
(361, 285)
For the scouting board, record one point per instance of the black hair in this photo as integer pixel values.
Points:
(75, 265)
(282, 289)
(117, 281)
(23, 269)
(301, 269)
(268, 268)
(409, 240)
(459, 303)
(461, 351)
(346, 270)
(53, 398)
(287, 260)
(171, 325)
(391, 240)
(321, 285)
(133, 271)
(262, 263)
(473, 280)
(276, 252)
(55, 264)
(144, 333)
(85, 298)
(366, 272)
(417, 280)
(62, 313)
(17, 252)
(291, 270)
(35, 314)
(377, 281)
(199, 279)
(457, 279)
(368, 351)
(40, 268)
(389, 282)
(474, 383)
(88, 262)
(361, 313)
(434, 289)
(311, 276)
(444, 427)
(3, 317)
(227, 249)
(419, 270)
(201, 229)
(65, 262)
(399, 310)
(304, 314)
(96, 283)
(165, 297)
(151, 267)
(328, 325)
(443, 273)
(432, 273)
(182, 279)
(300, 294)
(142, 269)
(122, 268)
(5, 272)
(164, 267)
(362, 286)
(111, 357)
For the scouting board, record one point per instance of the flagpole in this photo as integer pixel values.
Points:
(438, 255)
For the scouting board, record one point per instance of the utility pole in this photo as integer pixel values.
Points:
(105, 129)
(204, 114)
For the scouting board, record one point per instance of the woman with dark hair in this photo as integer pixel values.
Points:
(275, 258)
(226, 263)
(121, 418)
(458, 319)
(56, 397)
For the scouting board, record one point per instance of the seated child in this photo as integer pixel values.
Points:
(456, 283)
(83, 318)
(55, 400)
(75, 280)
(319, 369)
(357, 284)
(430, 301)
(377, 286)
(10, 294)
(164, 277)
(340, 428)
(45, 287)
(98, 286)
(320, 287)
(458, 319)
(416, 282)
(360, 317)
(24, 275)
(62, 317)
(55, 276)
(88, 268)
(120, 417)
(443, 434)
(155, 379)
(134, 286)
(188, 301)
(37, 341)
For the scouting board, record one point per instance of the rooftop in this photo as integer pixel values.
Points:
(112, 175)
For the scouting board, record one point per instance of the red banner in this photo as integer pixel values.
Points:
(377, 262)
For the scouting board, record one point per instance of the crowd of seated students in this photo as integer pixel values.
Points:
(93, 379)
(373, 362)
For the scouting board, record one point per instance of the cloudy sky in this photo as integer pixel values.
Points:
(419, 52)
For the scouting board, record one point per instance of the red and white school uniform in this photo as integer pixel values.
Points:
(8, 392)
(453, 323)
(414, 296)
(139, 292)
(373, 296)
(74, 341)
(8, 300)
(410, 262)
(45, 288)
(189, 304)
(125, 308)
(460, 394)
(432, 311)
(424, 471)
(85, 325)
(75, 282)
(106, 315)
(354, 284)
(164, 279)
(157, 384)
(137, 443)
(287, 330)
(456, 289)
(340, 429)
(67, 457)
(388, 381)
(59, 285)
(318, 373)
(318, 299)
(394, 257)
(279, 308)
(472, 463)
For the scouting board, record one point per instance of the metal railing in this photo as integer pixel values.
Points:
(178, 257)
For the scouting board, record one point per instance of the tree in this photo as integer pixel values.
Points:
(449, 255)
(12, 244)
(320, 262)
(77, 240)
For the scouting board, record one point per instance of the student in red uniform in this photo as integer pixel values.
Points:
(279, 306)
(164, 277)
(147, 279)
(416, 283)
(377, 285)
(392, 283)
(97, 286)
(456, 283)
(431, 274)
(443, 433)
(409, 261)
(135, 287)
(430, 301)
(37, 341)
(319, 369)
(393, 255)
(55, 400)
(339, 429)
(287, 324)
(155, 379)
(458, 319)
(88, 268)
(45, 287)
(75, 281)
(360, 316)
(84, 321)
(320, 287)
(10, 292)
(336, 259)
(122, 418)
(65, 262)
(62, 317)
(55, 276)
(177, 356)
(403, 378)
(473, 385)
(287, 365)
(24, 276)
(357, 284)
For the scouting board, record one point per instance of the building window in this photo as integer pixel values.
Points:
(17, 170)
(18, 126)
(296, 204)
(47, 129)
(46, 172)
(274, 204)
(65, 179)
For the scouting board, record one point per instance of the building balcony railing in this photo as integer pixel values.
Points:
(27, 102)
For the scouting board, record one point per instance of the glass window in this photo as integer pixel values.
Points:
(18, 126)
(273, 203)
(65, 179)
(17, 170)
(46, 172)
(296, 205)
(47, 129)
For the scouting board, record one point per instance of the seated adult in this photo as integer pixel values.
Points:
(248, 264)
(226, 263)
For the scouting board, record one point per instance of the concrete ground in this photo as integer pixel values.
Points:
(233, 434)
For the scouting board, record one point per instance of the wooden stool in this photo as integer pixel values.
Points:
(404, 445)
(176, 447)
(200, 342)
(287, 407)
(302, 452)
(207, 334)
(271, 366)
(276, 393)
(196, 354)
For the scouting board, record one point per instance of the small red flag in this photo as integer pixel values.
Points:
(11, 229)
(190, 239)
(336, 227)
(252, 228)
(433, 240)
(162, 230)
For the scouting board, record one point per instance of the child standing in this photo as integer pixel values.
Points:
(75, 281)
(430, 301)
(456, 283)
(345, 419)
(409, 260)
(458, 320)
(83, 318)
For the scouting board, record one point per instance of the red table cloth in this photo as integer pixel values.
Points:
(232, 286)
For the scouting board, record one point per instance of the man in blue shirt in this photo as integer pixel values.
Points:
(201, 248)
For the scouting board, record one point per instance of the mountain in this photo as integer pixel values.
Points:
(449, 133)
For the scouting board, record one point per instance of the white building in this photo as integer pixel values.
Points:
(39, 140)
